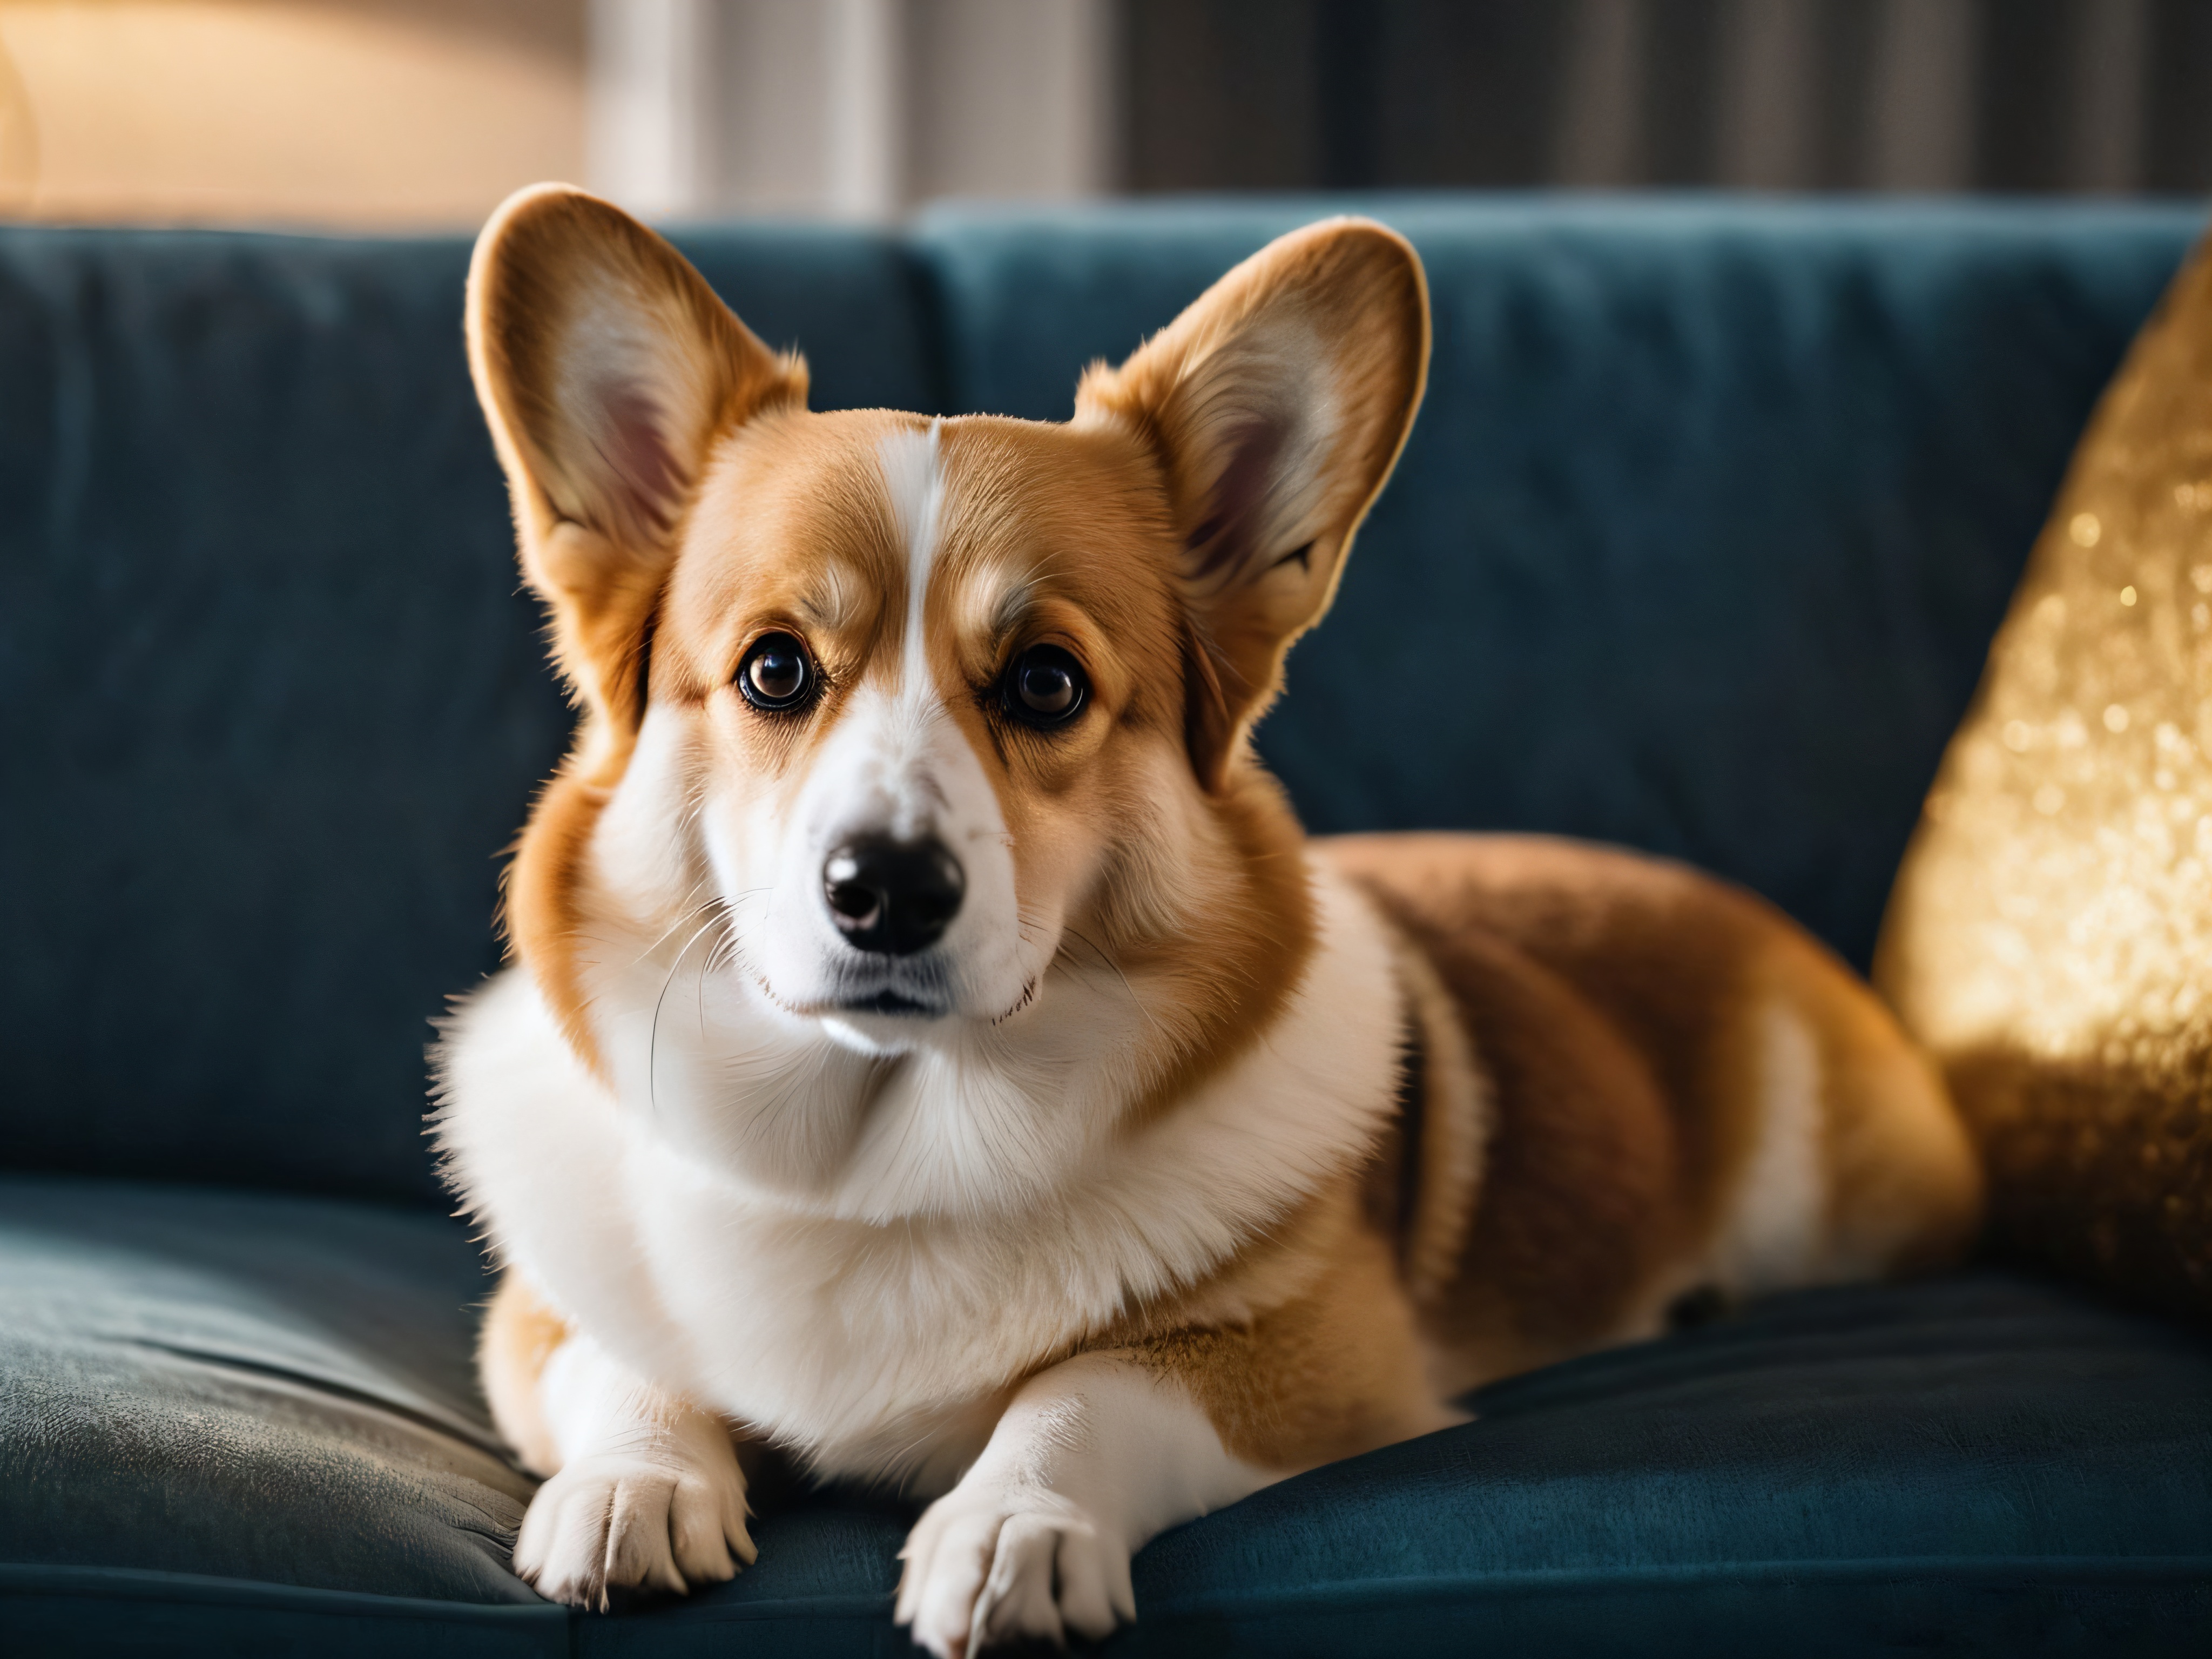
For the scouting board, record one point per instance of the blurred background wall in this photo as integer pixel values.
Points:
(395, 112)
(331, 111)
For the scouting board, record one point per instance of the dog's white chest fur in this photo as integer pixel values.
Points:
(880, 1342)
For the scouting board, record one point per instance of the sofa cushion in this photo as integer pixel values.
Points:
(250, 1386)
(274, 700)
(1703, 528)
(232, 1422)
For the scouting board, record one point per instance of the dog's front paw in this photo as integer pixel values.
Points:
(633, 1521)
(991, 1565)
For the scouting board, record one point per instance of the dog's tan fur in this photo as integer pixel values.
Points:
(1633, 1081)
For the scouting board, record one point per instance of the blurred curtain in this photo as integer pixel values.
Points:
(2081, 96)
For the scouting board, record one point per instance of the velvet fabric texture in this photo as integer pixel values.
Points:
(1697, 546)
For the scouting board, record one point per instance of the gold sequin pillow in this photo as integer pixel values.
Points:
(2050, 937)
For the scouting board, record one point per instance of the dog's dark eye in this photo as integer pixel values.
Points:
(1045, 687)
(776, 674)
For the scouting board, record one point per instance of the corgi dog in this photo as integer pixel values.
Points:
(930, 1049)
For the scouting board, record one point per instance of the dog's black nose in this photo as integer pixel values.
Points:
(894, 896)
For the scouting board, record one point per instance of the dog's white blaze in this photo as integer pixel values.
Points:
(917, 482)
(1773, 1231)
(896, 763)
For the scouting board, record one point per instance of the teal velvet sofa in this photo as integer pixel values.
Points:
(1697, 546)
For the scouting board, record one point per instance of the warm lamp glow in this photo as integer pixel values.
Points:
(386, 112)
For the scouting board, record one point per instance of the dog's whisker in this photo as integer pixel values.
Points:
(653, 1034)
(687, 914)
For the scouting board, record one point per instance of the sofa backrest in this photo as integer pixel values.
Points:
(1697, 546)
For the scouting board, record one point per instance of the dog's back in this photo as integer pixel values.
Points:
(1676, 1090)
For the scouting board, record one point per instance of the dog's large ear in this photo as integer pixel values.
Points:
(1277, 404)
(606, 367)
